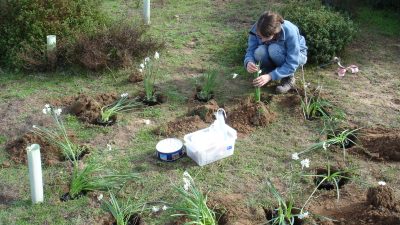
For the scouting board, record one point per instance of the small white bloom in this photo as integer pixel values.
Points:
(259, 72)
(142, 65)
(109, 147)
(303, 215)
(382, 183)
(157, 55)
(234, 75)
(164, 207)
(58, 112)
(147, 59)
(44, 111)
(141, 70)
(186, 174)
(186, 186)
(100, 197)
(47, 106)
(124, 95)
(305, 163)
(34, 126)
(324, 145)
(147, 122)
(295, 156)
(155, 209)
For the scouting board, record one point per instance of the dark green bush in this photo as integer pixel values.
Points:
(326, 32)
(24, 25)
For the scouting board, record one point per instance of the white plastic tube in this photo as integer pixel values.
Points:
(51, 42)
(35, 173)
(146, 11)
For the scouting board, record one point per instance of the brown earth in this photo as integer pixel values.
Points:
(8, 194)
(249, 115)
(108, 219)
(160, 98)
(353, 208)
(382, 196)
(205, 111)
(380, 143)
(86, 108)
(50, 154)
(181, 126)
(135, 76)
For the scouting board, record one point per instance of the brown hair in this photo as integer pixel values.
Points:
(269, 24)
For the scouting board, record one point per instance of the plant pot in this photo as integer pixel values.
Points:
(110, 122)
(328, 185)
(66, 197)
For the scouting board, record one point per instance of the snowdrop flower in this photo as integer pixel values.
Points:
(124, 95)
(155, 209)
(382, 183)
(58, 112)
(259, 72)
(303, 215)
(142, 65)
(147, 122)
(47, 106)
(186, 186)
(46, 110)
(186, 174)
(157, 55)
(164, 207)
(109, 147)
(34, 126)
(100, 197)
(141, 70)
(305, 163)
(324, 145)
(234, 75)
(295, 156)
(146, 60)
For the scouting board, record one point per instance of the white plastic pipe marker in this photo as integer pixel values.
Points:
(35, 173)
(146, 11)
(51, 42)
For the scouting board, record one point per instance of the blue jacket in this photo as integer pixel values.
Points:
(290, 39)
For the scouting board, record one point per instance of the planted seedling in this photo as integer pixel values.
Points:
(58, 136)
(89, 178)
(329, 179)
(108, 114)
(150, 71)
(207, 90)
(124, 213)
(285, 213)
(193, 204)
(257, 90)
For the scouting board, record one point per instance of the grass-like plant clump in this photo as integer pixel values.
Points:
(122, 211)
(150, 70)
(123, 104)
(208, 86)
(193, 204)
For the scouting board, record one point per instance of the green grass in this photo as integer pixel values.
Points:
(381, 21)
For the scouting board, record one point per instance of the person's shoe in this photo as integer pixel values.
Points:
(287, 83)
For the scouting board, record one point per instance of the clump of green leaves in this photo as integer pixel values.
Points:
(150, 71)
(123, 104)
(58, 136)
(208, 86)
(193, 204)
(122, 211)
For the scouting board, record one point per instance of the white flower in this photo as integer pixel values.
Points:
(382, 183)
(157, 55)
(324, 145)
(147, 59)
(164, 207)
(147, 122)
(141, 70)
(303, 215)
(295, 156)
(234, 75)
(142, 65)
(186, 174)
(259, 72)
(109, 147)
(44, 110)
(305, 163)
(47, 106)
(124, 95)
(58, 112)
(34, 126)
(186, 186)
(155, 209)
(100, 197)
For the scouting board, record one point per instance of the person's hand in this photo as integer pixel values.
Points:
(251, 67)
(262, 80)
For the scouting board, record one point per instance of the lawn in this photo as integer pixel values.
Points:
(202, 35)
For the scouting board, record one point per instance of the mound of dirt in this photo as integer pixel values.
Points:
(205, 111)
(382, 196)
(135, 77)
(249, 115)
(380, 143)
(17, 149)
(181, 126)
(231, 209)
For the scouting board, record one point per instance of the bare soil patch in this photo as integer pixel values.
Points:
(181, 126)
(353, 208)
(135, 77)
(380, 143)
(8, 195)
(205, 111)
(249, 115)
